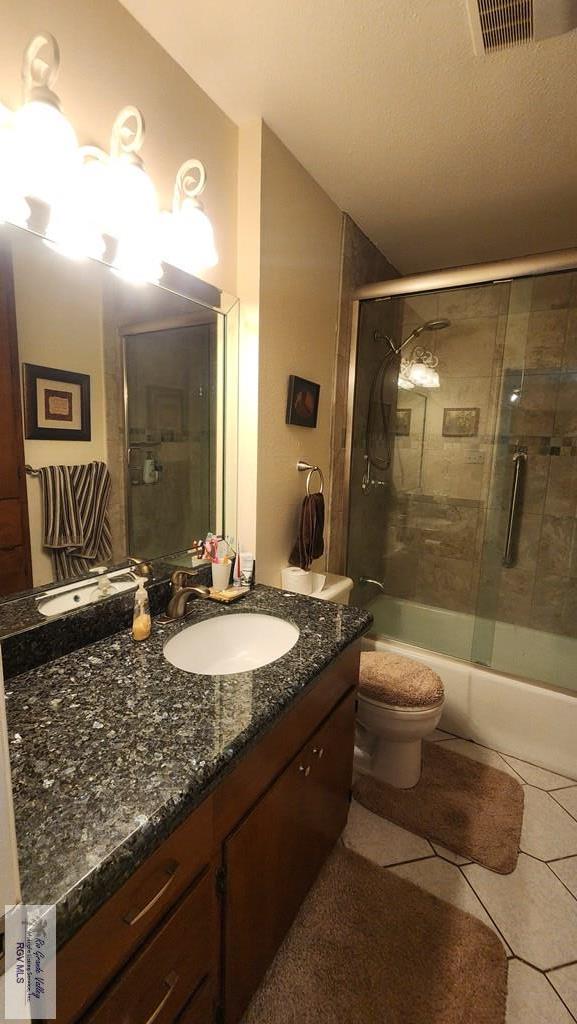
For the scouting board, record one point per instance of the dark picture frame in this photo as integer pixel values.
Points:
(302, 406)
(461, 422)
(60, 403)
(403, 422)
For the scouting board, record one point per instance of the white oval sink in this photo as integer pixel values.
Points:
(231, 643)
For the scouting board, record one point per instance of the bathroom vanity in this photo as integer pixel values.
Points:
(178, 820)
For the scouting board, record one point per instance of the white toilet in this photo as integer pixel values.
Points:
(400, 702)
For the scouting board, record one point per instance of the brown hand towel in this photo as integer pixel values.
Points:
(310, 542)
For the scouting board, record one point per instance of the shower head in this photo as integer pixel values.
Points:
(433, 325)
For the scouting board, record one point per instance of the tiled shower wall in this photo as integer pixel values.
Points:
(434, 542)
(451, 494)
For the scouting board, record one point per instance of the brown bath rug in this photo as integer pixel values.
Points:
(470, 808)
(368, 947)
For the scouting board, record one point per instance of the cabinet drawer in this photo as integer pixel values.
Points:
(200, 1009)
(97, 952)
(158, 982)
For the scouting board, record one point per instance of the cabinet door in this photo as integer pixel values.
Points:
(275, 854)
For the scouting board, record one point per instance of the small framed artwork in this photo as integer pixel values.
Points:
(461, 422)
(56, 404)
(302, 402)
(403, 422)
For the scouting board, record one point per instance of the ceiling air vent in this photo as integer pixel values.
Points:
(502, 24)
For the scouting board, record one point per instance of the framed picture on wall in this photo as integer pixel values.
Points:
(56, 404)
(302, 402)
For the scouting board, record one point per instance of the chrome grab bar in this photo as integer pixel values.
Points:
(510, 553)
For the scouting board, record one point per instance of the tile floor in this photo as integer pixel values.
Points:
(533, 910)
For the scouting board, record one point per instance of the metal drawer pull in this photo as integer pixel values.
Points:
(171, 981)
(305, 770)
(134, 916)
(318, 752)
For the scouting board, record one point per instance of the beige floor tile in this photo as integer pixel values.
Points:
(445, 881)
(566, 870)
(548, 831)
(532, 909)
(482, 754)
(568, 799)
(565, 982)
(455, 858)
(382, 841)
(539, 777)
(530, 998)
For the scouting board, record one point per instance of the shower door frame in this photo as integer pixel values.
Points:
(496, 272)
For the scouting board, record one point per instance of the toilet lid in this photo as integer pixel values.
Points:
(399, 681)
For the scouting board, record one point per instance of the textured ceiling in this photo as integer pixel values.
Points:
(442, 157)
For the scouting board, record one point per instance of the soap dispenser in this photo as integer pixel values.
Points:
(141, 621)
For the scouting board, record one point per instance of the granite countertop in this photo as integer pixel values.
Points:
(111, 746)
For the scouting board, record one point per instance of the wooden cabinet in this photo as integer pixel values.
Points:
(160, 980)
(15, 564)
(194, 929)
(274, 856)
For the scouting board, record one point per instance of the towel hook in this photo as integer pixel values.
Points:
(305, 467)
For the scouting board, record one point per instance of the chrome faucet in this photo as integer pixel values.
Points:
(181, 593)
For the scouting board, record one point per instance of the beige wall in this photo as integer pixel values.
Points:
(58, 313)
(300, 268)
(108, 60)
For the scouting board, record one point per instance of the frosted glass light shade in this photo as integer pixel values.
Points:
(424, 376)
(137, 260)
(132, 202)
(404, 384)
(45, 150)
(187, 238)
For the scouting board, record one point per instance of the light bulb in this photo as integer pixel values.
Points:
(137, 260)
(45, 150)
(424, 376)
(77, 218)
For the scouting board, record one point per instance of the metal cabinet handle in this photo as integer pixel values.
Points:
(509, 554)
(133, 916)
(171, 981)
(305, 770)
(318, 752)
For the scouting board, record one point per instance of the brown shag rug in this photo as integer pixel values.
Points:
(471, 808)
(369, 947)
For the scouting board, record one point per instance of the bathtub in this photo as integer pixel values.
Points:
(533, 722)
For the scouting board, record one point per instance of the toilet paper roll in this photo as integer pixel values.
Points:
(297, 581)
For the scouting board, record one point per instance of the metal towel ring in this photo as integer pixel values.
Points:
(305, 467)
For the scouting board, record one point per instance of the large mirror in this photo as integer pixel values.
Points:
(118, 450)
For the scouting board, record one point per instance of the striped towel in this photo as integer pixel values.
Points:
(76, 527)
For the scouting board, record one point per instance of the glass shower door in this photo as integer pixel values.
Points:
(526, 622)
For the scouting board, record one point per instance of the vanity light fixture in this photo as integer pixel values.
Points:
(96, 199)
(422, 372)
(132, 215)
(43, 145)
(187, 237)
